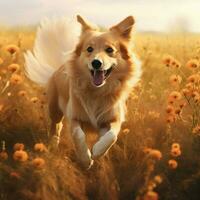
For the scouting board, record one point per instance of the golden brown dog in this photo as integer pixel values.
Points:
(88, 80)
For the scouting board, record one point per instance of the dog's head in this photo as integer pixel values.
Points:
(101, 54)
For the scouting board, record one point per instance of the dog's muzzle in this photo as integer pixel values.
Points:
(98, 74)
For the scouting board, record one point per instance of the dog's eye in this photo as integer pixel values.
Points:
(109, 50)
(90, 49)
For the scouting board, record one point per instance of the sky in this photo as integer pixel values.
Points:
(150, 15)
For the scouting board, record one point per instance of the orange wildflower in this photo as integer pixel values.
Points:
(126, 131)
(175, 79)
(158, 179)
(178, 64)
(38, 163)
(147, 150)
(13, 67)
(151, 186)
(193, 78)
(182, 104)
(171, 119)
(12, 48)
(16, 79)
(173, 164)
(175, 146)
(40, 147)
(18, 146)
(192, 64)
(175, 152)
(34, 99)
(186, 92)
(3, 155)
(20, 155)
(170, 109)
(175, 95)
(167, 60)
(15, 175)
(156, 154)
(22, 93)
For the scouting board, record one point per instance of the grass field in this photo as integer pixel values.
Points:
(156, 155)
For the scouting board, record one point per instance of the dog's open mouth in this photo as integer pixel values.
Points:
(99, 76)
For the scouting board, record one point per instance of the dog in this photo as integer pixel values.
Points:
(88, 74)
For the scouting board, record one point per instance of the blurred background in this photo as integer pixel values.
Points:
(151, 15)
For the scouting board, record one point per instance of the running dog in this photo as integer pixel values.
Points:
(88, 74)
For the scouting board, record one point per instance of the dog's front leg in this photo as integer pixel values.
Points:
(107, 139)
(78, 136)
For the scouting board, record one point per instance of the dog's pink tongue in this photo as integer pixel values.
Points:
(98, 77)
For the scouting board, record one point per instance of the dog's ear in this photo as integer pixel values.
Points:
(124, 28)
(86, 26)
(124, 52)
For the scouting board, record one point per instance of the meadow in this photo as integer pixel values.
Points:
(157, 152)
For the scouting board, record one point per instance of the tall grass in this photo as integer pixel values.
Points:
(156, 155)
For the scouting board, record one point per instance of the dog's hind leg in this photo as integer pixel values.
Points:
(55, 114)
(56, 125)
(107, 139)
(55, 130)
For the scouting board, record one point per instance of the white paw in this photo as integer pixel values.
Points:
(96, 151)
(103, 145)
(86, 159)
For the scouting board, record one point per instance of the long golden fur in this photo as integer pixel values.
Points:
(75, 92)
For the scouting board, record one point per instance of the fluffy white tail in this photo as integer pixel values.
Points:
(55, 39)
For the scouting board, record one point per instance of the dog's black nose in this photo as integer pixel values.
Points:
(96, 64)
